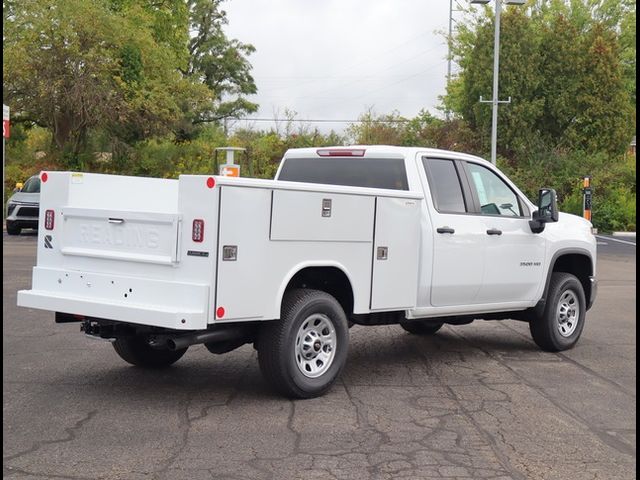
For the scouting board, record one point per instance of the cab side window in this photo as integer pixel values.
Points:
(495, 196)
(444, 182)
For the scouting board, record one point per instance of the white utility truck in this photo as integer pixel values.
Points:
(366, 235)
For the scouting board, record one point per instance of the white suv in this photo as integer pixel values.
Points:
(23, 207)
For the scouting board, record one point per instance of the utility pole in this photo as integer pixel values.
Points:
(447, 112)
(496, 69)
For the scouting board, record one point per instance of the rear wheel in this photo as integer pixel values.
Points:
(137, 351)
(13, 229)
(561, 324)
(302, 354)
(418, 327)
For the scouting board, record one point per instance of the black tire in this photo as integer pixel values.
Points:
(278, 353)
(565, 294)
(13, 229)
(136, 351)
(418, 327)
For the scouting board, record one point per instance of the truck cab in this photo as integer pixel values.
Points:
(481, 249)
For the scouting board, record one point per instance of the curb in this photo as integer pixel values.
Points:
(624, 234)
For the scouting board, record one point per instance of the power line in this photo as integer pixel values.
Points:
(322, 120)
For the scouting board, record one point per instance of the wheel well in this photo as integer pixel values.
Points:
(578, 265)
(331, 280)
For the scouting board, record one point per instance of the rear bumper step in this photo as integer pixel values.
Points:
(150, 315)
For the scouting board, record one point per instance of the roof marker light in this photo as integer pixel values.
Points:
(341, 152)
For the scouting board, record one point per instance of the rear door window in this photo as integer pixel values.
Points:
(389, 173)
(445, 185)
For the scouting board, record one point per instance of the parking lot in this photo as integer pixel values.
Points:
(474, 401)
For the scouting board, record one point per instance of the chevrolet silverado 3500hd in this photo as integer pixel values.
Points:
(368, 235)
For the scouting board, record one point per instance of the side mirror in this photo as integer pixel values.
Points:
(547, 210)
(548, 205)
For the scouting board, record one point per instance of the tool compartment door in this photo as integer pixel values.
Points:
(324, 217)
(395, 254)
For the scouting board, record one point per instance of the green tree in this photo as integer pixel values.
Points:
(121, 71)
(221, 63)
(561, 64)
(603, 120)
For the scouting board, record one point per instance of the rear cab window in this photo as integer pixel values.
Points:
(388, 173)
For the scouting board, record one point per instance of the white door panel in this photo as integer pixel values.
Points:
(458, 260)
(514, 254)
(515, 261)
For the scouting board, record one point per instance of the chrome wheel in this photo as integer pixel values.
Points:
(568, 313)
(315, 345)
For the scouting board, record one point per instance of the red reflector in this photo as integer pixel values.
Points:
(49, 219)
(211, 182)
(220, 312)
(342, 152)
(197, 231)
(44, 177)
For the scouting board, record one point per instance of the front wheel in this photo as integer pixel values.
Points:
(137, 351)
(561, 324)
(302, 354)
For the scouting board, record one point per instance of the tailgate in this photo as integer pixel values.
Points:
(133, 236)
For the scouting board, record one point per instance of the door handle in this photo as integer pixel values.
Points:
(445, 230)
(494, 231)
(116, 220)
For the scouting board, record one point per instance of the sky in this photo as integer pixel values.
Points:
(336, 59)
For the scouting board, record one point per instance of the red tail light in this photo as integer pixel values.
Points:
(341, 152)
(197, 231)
(49, 219)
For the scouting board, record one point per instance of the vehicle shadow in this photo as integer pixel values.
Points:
(373, 359)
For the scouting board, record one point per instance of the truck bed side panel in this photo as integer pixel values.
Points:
(251, 286)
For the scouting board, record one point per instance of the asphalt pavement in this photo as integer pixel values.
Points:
(473, 401)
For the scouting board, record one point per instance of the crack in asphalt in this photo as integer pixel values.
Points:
(603, 436)
(501, 457)
(586, 369)
(14, 471)
(71, 432)
(186, 423)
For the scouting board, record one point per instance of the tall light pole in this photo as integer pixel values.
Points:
(496, 69)
(447, 114)
(451, 10)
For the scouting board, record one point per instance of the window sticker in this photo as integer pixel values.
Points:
(482, 194)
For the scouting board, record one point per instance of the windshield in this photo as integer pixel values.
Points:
(32, 185)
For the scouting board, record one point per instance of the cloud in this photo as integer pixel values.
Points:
(332, 59)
